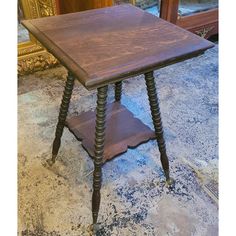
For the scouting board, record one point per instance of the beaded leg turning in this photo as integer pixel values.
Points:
(62, 116)
(118, 91)
(156, 117)
(99, 148)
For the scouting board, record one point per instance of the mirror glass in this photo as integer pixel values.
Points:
(188, 7)
(23, 35)
(151, 6)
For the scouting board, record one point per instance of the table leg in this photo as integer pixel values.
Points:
(99, 148)
(62, 116)
(156, 117)
(118, 91)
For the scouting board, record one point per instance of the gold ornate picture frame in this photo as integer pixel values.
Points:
(32, 56)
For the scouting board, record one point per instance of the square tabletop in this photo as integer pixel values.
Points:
(102, 46)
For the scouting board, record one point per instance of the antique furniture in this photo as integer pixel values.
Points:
(197, 16)
(105, 46)
(69, 6)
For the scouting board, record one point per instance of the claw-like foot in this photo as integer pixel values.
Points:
(51, 161)
(170, 183)
(95, 228)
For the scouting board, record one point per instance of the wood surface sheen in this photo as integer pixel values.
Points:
(106, 45)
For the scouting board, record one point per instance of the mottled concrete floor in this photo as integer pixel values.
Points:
(135, 201)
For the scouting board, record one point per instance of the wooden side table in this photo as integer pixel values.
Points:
(105, 46)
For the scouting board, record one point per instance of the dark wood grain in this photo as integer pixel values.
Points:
(99, 149)
(101, 46)
(62, 115)
(198, 19)
(118, 91)
(122, 130)
(196, 22)
(156, 118)
(68, 6)
(169, 10)
(207, 20)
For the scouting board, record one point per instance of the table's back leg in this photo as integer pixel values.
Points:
(156, 117)
(118, 91)
(99, 149)
(62, 116)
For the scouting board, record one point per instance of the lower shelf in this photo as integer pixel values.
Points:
(123, 130)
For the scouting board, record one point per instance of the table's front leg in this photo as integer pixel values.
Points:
(62, 116)
(156, 117)
(99, 149)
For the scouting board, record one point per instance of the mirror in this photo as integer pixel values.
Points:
(189, 7)
(23, 34)
(31, 55)
(151, 6)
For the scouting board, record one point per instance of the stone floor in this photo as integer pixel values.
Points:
(135, 201)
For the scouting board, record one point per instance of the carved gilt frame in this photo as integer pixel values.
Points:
(32, 56)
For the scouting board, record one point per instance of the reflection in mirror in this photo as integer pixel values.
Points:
(23, 35)
(188, 7)
(151, 6)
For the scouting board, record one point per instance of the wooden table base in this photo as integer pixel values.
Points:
(123, 130)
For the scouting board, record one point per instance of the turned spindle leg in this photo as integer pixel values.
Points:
(156, 117)
(62, 116)
(118, 91)
(99, 148)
